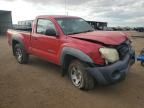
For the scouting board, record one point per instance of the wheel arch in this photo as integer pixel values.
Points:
(69, 54)
(15, 41)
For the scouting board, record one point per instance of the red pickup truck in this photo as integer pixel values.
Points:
(86, 55)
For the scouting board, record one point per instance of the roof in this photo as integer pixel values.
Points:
(3, 11)
(56, 16)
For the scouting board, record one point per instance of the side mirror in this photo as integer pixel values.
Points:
(50, 32)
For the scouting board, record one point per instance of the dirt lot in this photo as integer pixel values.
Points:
(40, 85)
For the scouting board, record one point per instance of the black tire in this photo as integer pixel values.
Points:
(86, 80)
(20, 54)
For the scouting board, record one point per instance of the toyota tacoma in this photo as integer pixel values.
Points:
(86, 55)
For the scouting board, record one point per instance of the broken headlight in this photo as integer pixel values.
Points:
(111, 55)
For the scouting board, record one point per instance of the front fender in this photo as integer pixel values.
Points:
(75, 53)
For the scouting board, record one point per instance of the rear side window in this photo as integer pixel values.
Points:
(43, 25)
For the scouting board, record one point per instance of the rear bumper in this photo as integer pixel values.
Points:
(112, 73)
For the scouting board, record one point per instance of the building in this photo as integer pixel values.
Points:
(5, 21)
(26, 22)
(98, 25)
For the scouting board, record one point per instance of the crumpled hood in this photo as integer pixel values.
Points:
(105, 37)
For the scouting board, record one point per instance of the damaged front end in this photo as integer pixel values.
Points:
(115, 68)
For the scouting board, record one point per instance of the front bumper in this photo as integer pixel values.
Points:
(112, 73)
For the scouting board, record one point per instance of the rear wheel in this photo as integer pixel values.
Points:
(79, 76)
(20, 54)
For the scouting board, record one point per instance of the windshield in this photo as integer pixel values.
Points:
(74, 25)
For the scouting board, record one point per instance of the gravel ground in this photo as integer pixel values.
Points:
(39, 85)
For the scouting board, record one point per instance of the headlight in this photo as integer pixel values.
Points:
(109, 54)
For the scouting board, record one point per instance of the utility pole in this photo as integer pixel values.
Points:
(66, 7)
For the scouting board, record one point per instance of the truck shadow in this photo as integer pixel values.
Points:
(42, 64)
(132, 81)
(131, 85)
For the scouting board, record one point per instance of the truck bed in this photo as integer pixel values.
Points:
(24, 34)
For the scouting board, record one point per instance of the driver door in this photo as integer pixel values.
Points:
(45, 46)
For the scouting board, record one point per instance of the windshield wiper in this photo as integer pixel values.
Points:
(88, 31)
(80, 32)
(74, 33)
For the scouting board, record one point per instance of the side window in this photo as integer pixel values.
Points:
(43, 25)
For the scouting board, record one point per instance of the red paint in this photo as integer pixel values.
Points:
(50, 48)
(106, 37)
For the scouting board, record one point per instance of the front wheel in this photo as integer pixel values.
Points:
(20, 54)
(79, 76)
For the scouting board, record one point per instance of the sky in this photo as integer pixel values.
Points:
(115, 12)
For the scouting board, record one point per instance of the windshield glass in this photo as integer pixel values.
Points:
(74, 25)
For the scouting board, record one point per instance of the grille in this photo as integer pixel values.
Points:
(123, 50)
